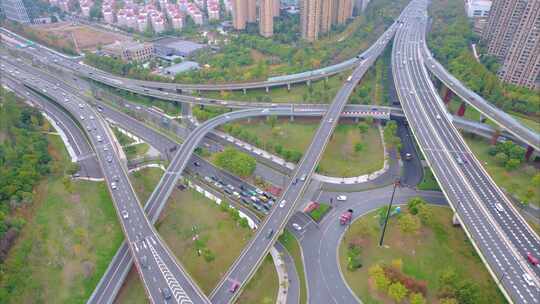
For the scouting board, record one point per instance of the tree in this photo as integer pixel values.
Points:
(425, 214)
(358, 147)
(417, 298)
(448, 301)
(363, 127)
(73, 168)
(397, 291)
(413, 203)
(512, 164)
(409, 223)
(236, 162)
(272, 120)
(501, 157)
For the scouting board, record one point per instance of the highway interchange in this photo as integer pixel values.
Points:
(501, 237)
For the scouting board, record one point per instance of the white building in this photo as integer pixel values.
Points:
(142, 23)
(177, 22)
(108, 16)
(477, 8)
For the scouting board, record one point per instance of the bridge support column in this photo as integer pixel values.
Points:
(291, 118)
(448, 94)
(495, 137)
(288, 87)
(356, 119)
(245, 91)
(529, 153)
(267, 89)
(309, 82)
(461, 110)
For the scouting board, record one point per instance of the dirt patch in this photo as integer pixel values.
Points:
(83, 37)
(75, 198)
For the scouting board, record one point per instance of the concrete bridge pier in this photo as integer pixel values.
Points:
(529, 152)
(448, 94)
(288, 87)
(309, 82)
(245, 91)
(267, 89)
(356, 119)
(495, 137)
(461, 110)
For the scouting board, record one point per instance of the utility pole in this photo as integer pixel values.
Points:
(397, 183)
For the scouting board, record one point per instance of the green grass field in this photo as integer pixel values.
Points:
(428, 181)
(288, 240)
(263, 286)
(144, 182)
(318, 213)
(340, 158)
(530, 122)
(122, 138)
(424, 255)
(220, 234)
(136, 151)
(516, 182)
(67, 243)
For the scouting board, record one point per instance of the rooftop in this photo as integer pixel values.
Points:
(178, 44)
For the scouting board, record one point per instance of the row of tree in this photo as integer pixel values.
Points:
(24, 158)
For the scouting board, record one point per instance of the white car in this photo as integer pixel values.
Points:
(296, 226)
(528, 279)
(341, 198)
(113, 185)
(499, 207)
(282, 203)
(438, 116)
(125, 214)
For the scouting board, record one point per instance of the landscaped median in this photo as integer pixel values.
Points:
(354, 149)
(424, 259)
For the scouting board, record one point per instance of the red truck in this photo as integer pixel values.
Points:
(346, 217)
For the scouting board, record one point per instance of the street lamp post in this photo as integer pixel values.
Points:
(396, 184)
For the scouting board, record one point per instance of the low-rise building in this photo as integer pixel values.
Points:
(477, 8)
(173, 46)
(129, 50)
(181, 68)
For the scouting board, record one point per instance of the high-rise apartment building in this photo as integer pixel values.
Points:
(310, 19)
(266, 18)
(327, 9)
(15, 11)
(239, 12)
(277, 7)
(344, 11)
(251, 11)
(512, 35)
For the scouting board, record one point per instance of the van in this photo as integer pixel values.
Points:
(499, 207)
(349, 78)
